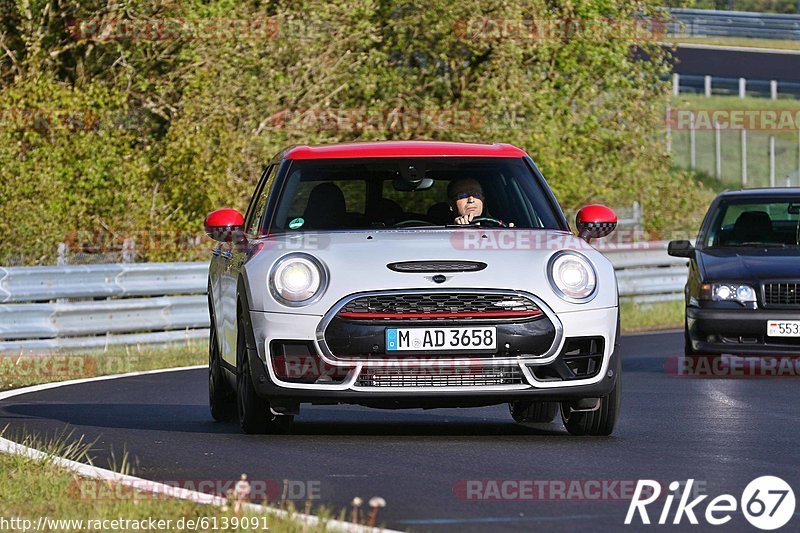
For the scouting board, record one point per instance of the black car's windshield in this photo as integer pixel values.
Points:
(341, 194)
(743, 223)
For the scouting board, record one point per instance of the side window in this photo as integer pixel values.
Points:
(256, 215)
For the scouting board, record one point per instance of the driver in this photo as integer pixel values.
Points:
(466, 198)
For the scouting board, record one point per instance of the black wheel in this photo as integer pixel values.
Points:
(687, 341)
(221, 398)
(599, 422)
(255, 416)
(532, 412)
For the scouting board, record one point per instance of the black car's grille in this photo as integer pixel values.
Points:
(785, 294)
(441, 377)
(440, 305)
(437, 266)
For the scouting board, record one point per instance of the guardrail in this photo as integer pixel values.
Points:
(645, 273)
(29, 284)
(166, 302)
(136, 303)
(713, 23)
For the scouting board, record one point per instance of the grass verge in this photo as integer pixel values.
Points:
(745, 42)
(22, 370)
(639, 317)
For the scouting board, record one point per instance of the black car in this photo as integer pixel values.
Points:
(744, 275)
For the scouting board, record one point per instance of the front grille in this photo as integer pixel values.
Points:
(437, 266)
(441, 377)
(440, 305)
(785, 294)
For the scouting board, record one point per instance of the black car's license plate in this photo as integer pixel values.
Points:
(783, 328)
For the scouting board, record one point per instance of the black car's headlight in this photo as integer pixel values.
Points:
(727, 292)
(297, 279)
(572, 276)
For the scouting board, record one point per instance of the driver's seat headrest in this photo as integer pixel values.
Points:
(326, 207)
(752, 226)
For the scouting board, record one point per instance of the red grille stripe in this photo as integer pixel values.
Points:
(460, 314)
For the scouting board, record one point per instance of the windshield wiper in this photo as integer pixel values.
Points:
(759, 245)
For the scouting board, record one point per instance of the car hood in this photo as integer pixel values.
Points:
(357, 262)
(750, 264)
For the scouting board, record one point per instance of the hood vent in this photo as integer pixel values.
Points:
(436, 266)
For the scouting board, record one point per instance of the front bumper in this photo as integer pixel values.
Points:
(739, 331)
(541, 378)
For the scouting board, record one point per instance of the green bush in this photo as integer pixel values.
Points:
(66, 167)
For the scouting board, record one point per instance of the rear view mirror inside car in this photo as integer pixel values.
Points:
(412, 178)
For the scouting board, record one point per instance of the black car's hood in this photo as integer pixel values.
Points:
(748, 264)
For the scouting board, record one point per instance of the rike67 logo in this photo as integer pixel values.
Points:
(767, 503)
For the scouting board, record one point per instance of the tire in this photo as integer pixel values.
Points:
(253, 411)
(597, 423)
(688, 351)
(528, 412)
(221, 398)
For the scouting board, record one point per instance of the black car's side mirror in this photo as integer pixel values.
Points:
(680, 249)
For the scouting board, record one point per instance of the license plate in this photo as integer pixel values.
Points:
(783, 328)
(399, 339)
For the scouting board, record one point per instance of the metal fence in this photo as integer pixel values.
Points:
(736, 157)
(94, 306)
(713, 23)
(764, 155)
(742, 87)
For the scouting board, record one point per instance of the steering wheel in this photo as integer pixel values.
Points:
(489, 222)
(412, 222)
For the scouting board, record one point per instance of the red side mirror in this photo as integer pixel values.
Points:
(595, 221)
(223, 223)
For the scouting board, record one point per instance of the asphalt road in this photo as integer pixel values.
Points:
(721, 432)
(727, 62)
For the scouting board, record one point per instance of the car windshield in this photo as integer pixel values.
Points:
(346, 194)
(768, 222)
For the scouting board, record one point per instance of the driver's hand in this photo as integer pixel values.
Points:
(465, 219)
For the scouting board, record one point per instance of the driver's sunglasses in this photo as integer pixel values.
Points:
(465, 195)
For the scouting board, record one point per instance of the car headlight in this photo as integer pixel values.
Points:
(296, 279)
(573, 276)
(727, 292)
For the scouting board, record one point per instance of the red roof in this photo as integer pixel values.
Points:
(403, 149)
